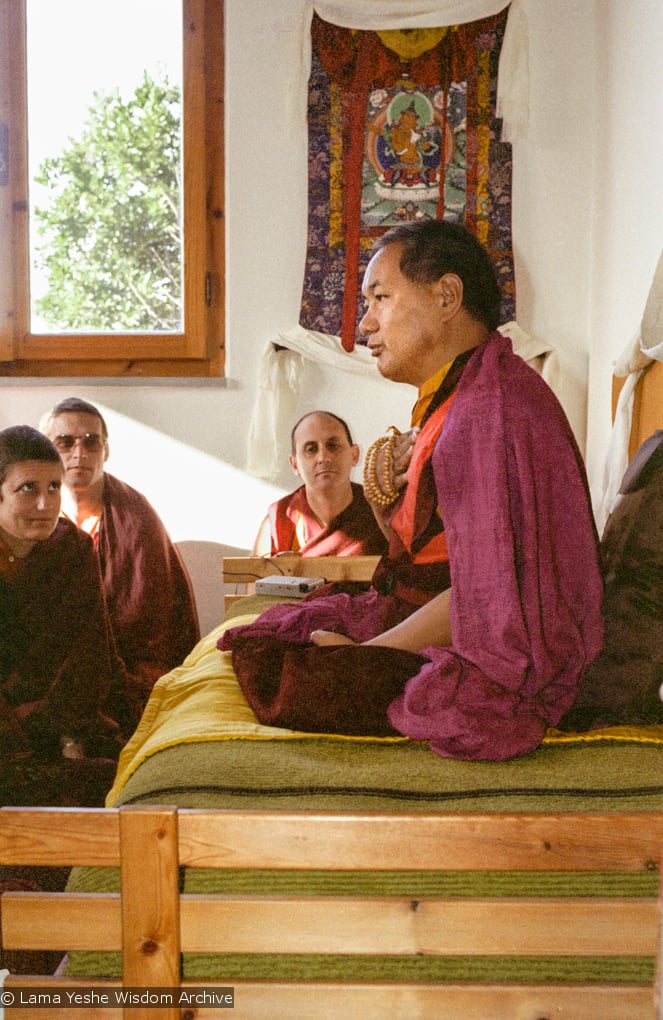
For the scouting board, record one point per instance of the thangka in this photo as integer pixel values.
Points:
(402, 126)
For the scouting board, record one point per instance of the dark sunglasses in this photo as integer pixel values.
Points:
(91, 441)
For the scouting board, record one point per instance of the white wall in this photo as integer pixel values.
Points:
(627, 234)
(552, 182)
(587, 232)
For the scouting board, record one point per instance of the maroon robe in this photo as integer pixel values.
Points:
(506, 479)
(353, 532)
(149, 597)
(58, 673)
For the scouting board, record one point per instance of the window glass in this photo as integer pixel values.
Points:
(104, 165)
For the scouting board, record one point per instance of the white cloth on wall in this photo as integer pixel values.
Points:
(539, 354)
(282, 370)
(371, 14)
(279, 390)
(646, 346)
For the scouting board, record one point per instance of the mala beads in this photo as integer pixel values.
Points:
(381, 491)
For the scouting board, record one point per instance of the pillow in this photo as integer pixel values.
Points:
(622, 685)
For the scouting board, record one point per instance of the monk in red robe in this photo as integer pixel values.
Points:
(149, 597)
(482, 619)
(58, 666)
(328, 515)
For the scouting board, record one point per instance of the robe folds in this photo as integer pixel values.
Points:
(58, 674)
(353, 532)
(149, 597)
(508, 483)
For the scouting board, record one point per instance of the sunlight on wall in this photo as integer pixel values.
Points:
(197, 496)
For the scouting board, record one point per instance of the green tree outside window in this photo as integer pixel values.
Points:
(110, 238)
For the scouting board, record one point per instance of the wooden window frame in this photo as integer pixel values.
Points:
(199, 349)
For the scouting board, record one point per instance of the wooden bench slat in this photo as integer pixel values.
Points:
(65, 921)
(388, 925)
(86, 836)
(426, 926)
(374, 1001)
(420, 842)
(417, 842)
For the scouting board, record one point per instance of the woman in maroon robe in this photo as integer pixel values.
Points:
(58, 667)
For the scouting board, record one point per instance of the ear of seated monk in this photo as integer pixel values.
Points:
(328, 515)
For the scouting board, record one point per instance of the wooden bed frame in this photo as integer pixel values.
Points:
(151, 923)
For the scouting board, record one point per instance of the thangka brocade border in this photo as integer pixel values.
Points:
(361, 94)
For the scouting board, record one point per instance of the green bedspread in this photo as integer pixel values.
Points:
(339, 775)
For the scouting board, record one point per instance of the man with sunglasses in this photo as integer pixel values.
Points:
(148, 593)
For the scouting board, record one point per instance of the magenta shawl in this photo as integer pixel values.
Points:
(525, 578)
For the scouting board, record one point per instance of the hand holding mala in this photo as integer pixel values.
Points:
(382, 492)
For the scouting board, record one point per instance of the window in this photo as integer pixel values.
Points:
(189, 343)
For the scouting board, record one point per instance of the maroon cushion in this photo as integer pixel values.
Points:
(330, 689)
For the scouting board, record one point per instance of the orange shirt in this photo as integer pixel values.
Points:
(426, 394)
